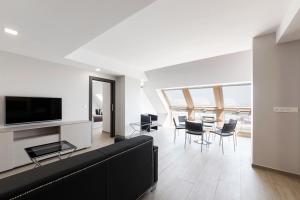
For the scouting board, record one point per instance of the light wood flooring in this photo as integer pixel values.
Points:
(188, 174)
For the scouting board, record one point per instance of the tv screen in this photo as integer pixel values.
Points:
(32, 109)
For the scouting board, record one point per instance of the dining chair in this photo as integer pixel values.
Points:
(178, 127)
(234, 123)
(193, 128)
(182, 120)
(227, 131)
(208, 125)
(208, 121)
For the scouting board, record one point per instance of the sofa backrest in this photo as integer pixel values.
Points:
(120, 171)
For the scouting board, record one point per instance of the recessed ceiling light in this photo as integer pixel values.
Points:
(10, 31)
(98, 70)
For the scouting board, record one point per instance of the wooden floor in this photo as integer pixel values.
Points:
(188, 174)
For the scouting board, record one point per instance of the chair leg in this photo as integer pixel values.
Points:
(201, 141)
(185, 141)
(175, 134)
(222, 144)
(233, 143)
(220, 140)
(235, 138)
(190, 139)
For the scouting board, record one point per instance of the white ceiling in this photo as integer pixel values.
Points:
(51, 29)
(289, 29)
(133, 36)
(170, 32)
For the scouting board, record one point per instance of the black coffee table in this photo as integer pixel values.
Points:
(40, 151)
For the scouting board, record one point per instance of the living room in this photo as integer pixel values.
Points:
(152, 99)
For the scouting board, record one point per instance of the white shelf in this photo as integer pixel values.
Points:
(20, 127)
(14, 139)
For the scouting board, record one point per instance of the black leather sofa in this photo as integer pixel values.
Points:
(121, 171)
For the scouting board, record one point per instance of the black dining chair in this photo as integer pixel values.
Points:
(234, 123)
(227, 131)
(182, 120)
(193, 128)
(178, 127)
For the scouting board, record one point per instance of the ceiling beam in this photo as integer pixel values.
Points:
(188, 98)
(218, 93)
(190, 103)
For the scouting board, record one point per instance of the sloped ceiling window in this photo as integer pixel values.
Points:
(203, 97)
(237, 96)
(176, 98)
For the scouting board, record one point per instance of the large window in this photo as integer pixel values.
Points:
(176, 98)
(237, 96)
(203, 97)
(220, 102)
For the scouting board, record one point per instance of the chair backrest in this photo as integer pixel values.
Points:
(233, 121)
(182, 119)
(153, 117)
(208, 121)
(145, 120)
(228, 128)
(193, 126)
(174, 121)
(208, 117)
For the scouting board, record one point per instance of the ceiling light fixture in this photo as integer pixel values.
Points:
(98, 70)
(10, 31)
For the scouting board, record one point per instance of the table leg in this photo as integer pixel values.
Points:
(70, 154)
(202, 141)
(36, 162)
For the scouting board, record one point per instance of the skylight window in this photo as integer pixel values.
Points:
(203, 97)
(176, 98)
(237, 96)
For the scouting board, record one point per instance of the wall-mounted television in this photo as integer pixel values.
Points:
(32, 109)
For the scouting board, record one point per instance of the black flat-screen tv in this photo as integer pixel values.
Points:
(32, 109)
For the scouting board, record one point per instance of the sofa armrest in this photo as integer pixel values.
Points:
(119, 138)
(155, 164)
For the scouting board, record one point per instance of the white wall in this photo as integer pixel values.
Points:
(24, 76)
(276, 82)
(132, 102)
(128, 104)
(106, 106)
(146, 105)
(229, 68)
(97, 89)
(120, 105)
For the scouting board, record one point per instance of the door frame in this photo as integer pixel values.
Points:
(112, 99)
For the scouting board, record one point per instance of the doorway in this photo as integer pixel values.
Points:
(101, 105)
